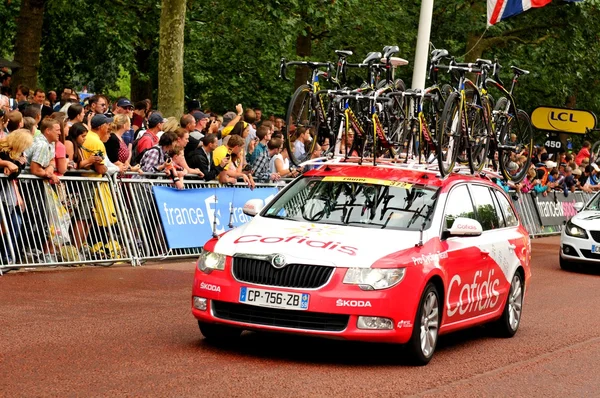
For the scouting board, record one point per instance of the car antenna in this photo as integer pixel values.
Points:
(231, 213)
(421, 235)
(214, 226)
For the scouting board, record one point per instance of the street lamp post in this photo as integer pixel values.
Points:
(422, 50)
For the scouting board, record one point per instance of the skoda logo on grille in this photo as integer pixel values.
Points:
(278, 261)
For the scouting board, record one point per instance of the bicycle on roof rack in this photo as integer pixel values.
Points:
(511, 126)
(358, 118)
(309, 107)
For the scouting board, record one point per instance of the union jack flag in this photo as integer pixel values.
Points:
(497, 10)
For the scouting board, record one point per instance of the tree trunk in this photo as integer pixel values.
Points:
(170, 58)
(303, 49)
(141, 84)
(27, 45)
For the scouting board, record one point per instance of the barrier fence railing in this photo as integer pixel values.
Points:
(93, 220)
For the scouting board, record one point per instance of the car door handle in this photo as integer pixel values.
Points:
(512, 247)
(484, 252)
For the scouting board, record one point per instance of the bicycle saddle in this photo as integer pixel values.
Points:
(519, 71)
(436, 55)
(390, 50)
(372, 57)
(483, 61)
(345, 53)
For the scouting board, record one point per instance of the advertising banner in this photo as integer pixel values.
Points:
(555, 208)
(563, 120)
(189, 216)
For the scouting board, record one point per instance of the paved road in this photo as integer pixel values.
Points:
(124, 331)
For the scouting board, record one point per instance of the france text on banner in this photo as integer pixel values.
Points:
(497, 10)
(188, 216)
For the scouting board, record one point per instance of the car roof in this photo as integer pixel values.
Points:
(409, 173)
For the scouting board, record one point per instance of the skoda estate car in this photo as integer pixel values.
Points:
(373, 253)
(580, 238)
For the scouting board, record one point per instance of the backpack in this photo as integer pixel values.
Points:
(136, 156)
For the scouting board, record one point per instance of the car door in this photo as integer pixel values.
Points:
(513, 242)
(495, 248)
(465, 266)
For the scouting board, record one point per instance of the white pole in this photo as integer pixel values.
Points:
(422, 51)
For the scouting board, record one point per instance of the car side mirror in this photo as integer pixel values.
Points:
(253, 207)
(578, 206)
(463, 226)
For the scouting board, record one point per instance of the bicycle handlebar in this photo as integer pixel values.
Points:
(363, 97)
(313, 65)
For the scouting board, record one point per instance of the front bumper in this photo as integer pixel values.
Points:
(578, 249)
(333, 310)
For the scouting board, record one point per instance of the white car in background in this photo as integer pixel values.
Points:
(580, 238)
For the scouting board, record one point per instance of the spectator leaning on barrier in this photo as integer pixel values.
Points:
(202, 158)
(158, 159)
(261, 168)
(233, 150)
(40, 158)
(12, 162)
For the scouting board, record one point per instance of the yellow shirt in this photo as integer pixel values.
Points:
(93, 145)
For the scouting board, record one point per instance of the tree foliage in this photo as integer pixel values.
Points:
(233, 48)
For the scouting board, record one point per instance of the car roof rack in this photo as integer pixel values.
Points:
(432, 168)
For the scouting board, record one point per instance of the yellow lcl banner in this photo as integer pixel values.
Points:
(563, 120)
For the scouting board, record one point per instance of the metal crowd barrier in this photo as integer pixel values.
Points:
(79, 221)
(526, 207)
(143, 217)
(102, 221)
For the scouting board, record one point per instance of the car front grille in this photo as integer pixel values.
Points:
(301, 276)
(589, 254)
(293, 319)
(595, 235)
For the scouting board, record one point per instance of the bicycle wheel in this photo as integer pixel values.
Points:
(301, 114)
(516, 139)
(480, 137)
(449, 134)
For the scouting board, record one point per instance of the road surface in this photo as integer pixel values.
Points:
(125, 331)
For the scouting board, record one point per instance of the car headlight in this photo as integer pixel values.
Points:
(374, 278)
(209, 261)
(575, 231)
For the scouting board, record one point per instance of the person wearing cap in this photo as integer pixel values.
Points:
(125, 107)
(150, 137)
(93, 146)
(201, 119)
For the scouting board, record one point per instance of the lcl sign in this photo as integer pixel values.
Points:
(563, 120)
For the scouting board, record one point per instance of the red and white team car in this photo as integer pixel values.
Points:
(380, 253)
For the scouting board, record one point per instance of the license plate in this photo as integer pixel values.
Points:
(595, 249)
(274, 299)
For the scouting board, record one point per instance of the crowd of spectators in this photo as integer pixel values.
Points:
(53, 136)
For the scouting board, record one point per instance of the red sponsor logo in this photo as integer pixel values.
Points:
(479, 295)
(466, 226)
(300, 240)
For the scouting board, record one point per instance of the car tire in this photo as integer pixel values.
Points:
(218, 333)
(426, 327)
(565, 264)
(509, 322)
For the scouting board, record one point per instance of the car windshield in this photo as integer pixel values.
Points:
(367, 202)
(594, 203)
